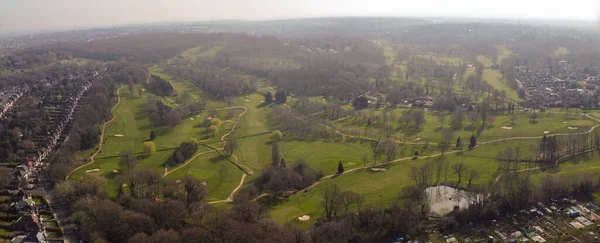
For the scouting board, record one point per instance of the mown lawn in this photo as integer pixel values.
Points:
(132, 122)
(522, 126)
(492, 77)
(379, 188)
(220, 175)
(201, 51)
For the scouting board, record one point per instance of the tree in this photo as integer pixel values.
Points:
(472, 142)
(128, 160)
(473, 174)
(275, 156)
(149, 147)
(360, 103)
(281, 97)
(173, 119)
(276, 136)
(459, 170)
(215, 121)
(213, 130)
(185, 96)
(390, 149)
(194, 189)
(140, 90)
(268, 97)
(421, 175)
(282, 163)
(443, 146)
(484, 108)
(533, 116)
(152, 135)
(230, 147)
(340, 168)
(348, 198)
(419, 118)
(459, 143)
(331, 201)
(442, 118)
(377, 148)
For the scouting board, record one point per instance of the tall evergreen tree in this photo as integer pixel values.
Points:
(458, 143)
(340, 168)
(282, 163)
(472, 142)
(268, 98)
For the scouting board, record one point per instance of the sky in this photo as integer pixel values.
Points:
(37, 15)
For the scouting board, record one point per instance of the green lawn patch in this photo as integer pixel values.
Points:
(492, 77)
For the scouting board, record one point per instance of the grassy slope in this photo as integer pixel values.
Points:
(486, 61)
(560, 51)
(492, 77)
(522, 127)
(132, 122)
(200, 51)
(378, 188)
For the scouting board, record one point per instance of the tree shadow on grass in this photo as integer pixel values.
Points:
(218, 158)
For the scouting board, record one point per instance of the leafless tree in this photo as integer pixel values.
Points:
(331, 201)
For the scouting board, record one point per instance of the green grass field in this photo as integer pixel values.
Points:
(492, 77)
(560, 51)
(194, 53)
(220, 175)
(486, 61)
(503, 53)
(441, 59)
(132, 122)
(378, 188)
(521, 126)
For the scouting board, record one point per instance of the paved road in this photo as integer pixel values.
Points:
(61, 211)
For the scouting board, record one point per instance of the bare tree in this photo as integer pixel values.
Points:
(459, 170)
(390, 149)
(418, 117)
(348, 198)
(331, 201)
(377, 148)
(442, 118)
(422, 175)
(128, 160)
(473, 175)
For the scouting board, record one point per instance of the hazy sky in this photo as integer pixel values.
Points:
(18, 15)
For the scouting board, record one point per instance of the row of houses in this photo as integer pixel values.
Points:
(51, 140)
(544, 90)
(9, 97)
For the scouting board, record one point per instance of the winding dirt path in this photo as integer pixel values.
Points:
(246, 171)
(101, 135)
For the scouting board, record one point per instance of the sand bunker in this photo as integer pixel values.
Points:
(143, 90)
(546, 132)
(304, 218)
(119, 135)
(417, 139)
(572, 128)
(90, 171)
(115, 171)
(379, 169)
(566, 122)
(191, 118)
(247, 100)
(197, 115)
(204, 183)
(506, 128)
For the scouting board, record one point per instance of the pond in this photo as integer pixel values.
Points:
(443, 199)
